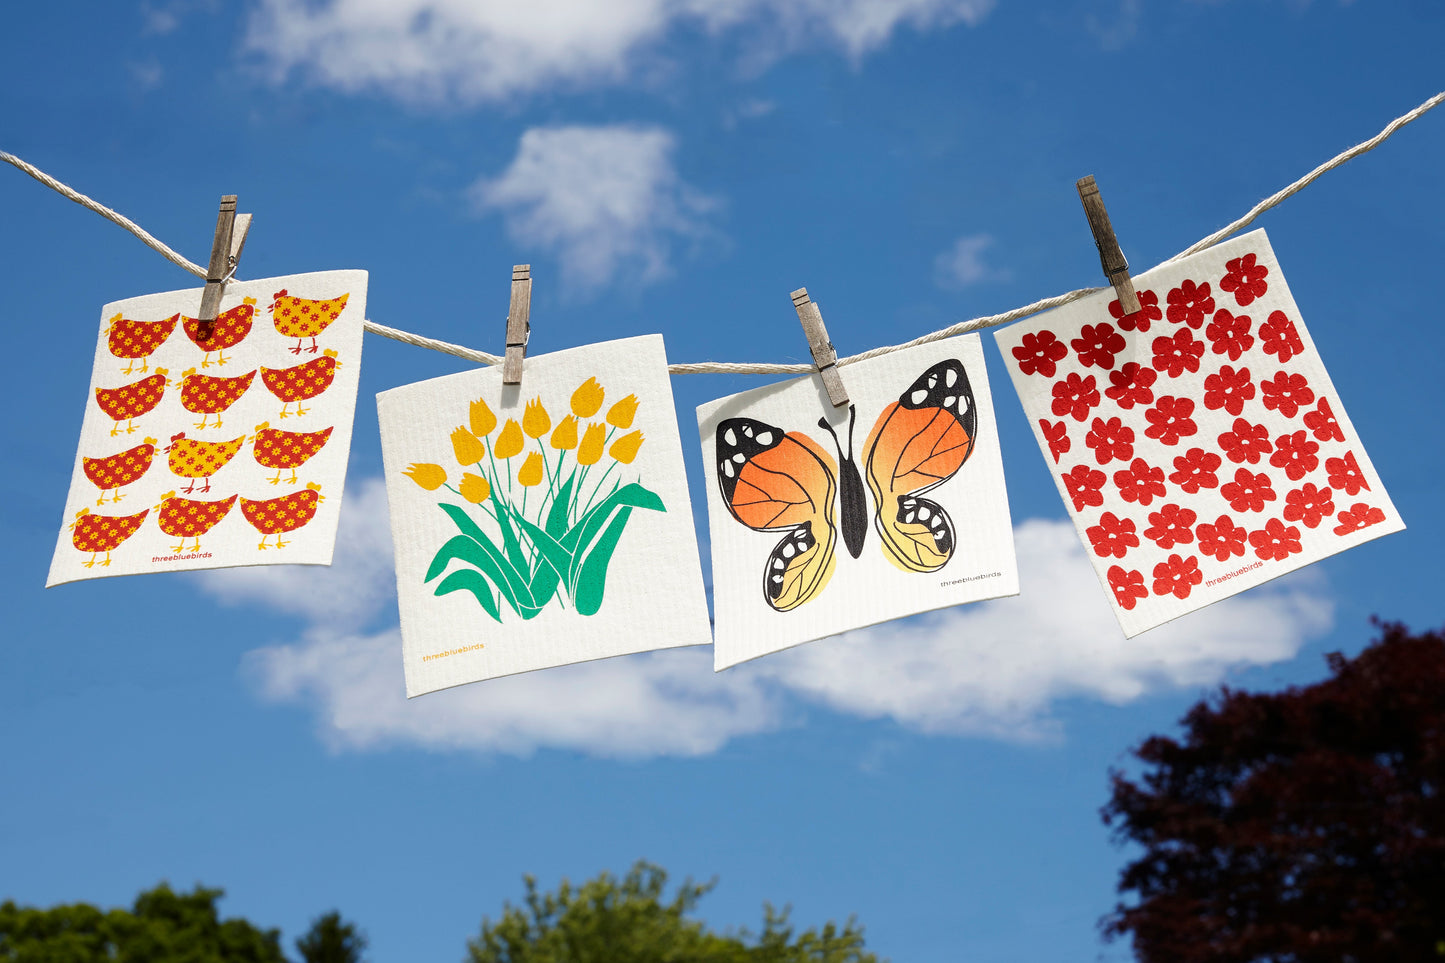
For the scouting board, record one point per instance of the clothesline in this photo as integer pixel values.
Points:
(725, 367)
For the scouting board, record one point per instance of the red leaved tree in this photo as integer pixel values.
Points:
(1301, 826)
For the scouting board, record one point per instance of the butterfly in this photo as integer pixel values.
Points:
(773, 480)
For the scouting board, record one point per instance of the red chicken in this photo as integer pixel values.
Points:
(206, 395)
(276, 516)
(274, 448)
(301, 382)
(102, 533)
(137, 340)
(187, 518)
(303, 318)
(120, 469)
(228, 330)
(129, 402)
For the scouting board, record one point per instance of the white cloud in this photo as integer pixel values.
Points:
(997, 669)
(607, 201)
(962, 264)
(472, 51)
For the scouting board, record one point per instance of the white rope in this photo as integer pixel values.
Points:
(725, 367)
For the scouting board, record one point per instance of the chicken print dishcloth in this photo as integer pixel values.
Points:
(215, 445)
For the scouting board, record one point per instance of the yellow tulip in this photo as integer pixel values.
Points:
(483, 421)
(468, 449)
(587, 399)
(535, 420)
(565, 437)
(531, 473)
(428, 476)
(509, 442)
(621, 414)
(592, 441)
(475, 488)
(625, 448)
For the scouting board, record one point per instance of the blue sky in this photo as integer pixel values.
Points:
(912, 163)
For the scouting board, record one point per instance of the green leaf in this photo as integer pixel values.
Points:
(487, 557)
(545, 577)
(633, 495)
(548, 548)
(591, 576)
(468, 580)
(515, 554)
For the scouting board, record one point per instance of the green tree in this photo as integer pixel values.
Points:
(331, 940)
(628, 920)
(163, 927)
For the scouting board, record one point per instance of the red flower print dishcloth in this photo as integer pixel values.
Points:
(1198, 443)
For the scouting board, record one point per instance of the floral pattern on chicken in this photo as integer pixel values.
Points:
(543, 504)
(300, 382)
(114, 472)
(228, 330)
(206, 395)
(129, 402)
(189, 518)
(193, 459)
(103, 533)
(303, 318)
(137, 340)
(286, 513)
(283, 450)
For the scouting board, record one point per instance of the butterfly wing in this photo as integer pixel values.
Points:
(775, 481)
(918, 443)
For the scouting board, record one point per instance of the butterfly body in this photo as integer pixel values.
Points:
(773, 480)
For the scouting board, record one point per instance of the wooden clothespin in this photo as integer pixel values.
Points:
(519, 324)
(1116, 268)
(824, 356)
(231, 230)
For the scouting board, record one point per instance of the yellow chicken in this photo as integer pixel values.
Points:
(200, 459)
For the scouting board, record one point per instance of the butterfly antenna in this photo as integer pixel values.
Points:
(852, 417)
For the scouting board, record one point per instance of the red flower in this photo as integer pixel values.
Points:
(1177, 576)
(1128, 586)
(1309, 504)
(1131, 385)
(1295, 454)
(1148, 311)
(1057, 435)
(1039, 353)
(1276, 541)
(1110, 439)
(1245, 442)
(1169, 419)
(1359, 516)
(1085, 486)
(1245, 278)
(1097, 344)
(1177, 354)
(1222, 539)
(1075, 396)
(1345, 474)
(1229, 389)
(1287, 393)
(1280, 337)
(1322, 422)
(1248, 492)
(1112, 536)
(1195, 469)
(1170, 526)
(1190, 304)
(1229, 334)
(1140, 483)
